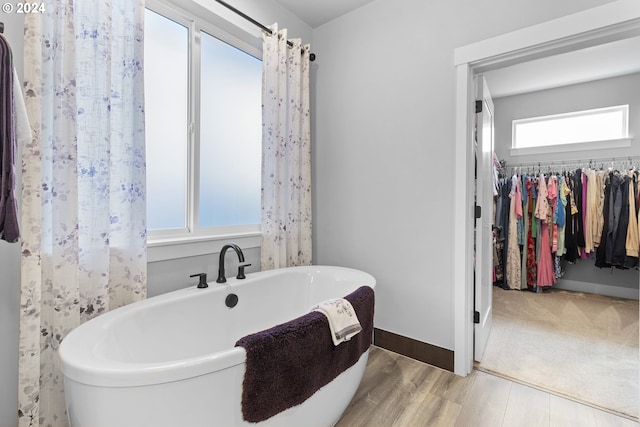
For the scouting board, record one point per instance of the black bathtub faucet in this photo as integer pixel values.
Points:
(221, 275)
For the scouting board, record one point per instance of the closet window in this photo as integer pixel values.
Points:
(602, 124)
(203, 122)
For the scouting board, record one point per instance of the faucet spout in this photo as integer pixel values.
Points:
(221, 273)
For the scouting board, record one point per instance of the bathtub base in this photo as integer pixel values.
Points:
(202, 401)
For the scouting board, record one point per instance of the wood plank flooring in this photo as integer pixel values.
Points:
(401, 392)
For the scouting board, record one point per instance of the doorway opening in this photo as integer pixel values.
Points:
(613, 21)
(579, 336)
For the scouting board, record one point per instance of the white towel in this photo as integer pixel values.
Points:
(343, 320)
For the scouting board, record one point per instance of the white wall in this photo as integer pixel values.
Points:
(384, 141)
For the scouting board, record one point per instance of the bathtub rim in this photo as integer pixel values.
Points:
(80, 361)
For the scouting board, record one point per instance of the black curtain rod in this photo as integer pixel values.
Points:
(312, 56)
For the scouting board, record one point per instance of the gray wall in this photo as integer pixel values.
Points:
(171, 275)
(583, 275)
(384, 147)
(10, 271)
(597, 94)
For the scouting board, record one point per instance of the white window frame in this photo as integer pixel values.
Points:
(623, 142)
(193, 240)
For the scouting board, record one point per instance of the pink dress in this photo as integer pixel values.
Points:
(546, 269)
(552, 196)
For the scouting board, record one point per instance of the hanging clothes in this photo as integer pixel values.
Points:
(579, 218)
(633, 238)
(619, 235)
(571, 226)
(522, 234)
(513, 249)
(601, 252)
(552, 196)
(560, 213)
(546, 268)
(592, 210)
(531, 262)
(506, 204)
(544, 222)
(599, 219)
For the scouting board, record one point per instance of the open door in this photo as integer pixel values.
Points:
(483, 274)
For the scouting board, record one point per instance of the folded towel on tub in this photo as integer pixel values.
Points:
(288, 363)
(343, 321)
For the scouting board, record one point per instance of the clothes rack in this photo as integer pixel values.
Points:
(312, 56)
(626, 162)
(551, 214)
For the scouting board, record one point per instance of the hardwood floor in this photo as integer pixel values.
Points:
(401, 392)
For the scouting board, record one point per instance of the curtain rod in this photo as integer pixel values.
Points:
(583, 160)
(589, 161)
(312, 56)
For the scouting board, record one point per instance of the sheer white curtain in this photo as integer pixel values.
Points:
(286, 153)
(83, 209)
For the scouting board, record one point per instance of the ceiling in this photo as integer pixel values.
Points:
(318, 12)
(593, 63)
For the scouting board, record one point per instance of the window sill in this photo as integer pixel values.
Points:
(163, 249)
(578, 146)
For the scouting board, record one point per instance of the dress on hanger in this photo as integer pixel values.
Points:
(561, 215)
(546, 270)
(531, 243)
(571, 224)
(578, 219)
(599, 220)
(633, 237)
(514, 269)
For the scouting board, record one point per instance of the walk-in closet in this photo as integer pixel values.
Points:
(565, 242)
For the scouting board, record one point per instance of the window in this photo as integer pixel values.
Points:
(166, 57)
(203, 100)
(230, 135)
(602, 124)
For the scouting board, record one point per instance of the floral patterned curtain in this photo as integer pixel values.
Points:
(83, 209)
(286, 153)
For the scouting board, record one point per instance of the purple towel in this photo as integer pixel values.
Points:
(288, 363)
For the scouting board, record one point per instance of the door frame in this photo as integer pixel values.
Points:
(613, 21)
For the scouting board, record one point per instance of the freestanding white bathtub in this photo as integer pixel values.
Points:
(170, 360)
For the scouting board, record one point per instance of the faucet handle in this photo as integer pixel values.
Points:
(203, 280)
(241, 270)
